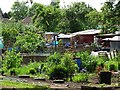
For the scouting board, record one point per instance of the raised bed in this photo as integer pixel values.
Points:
(58, 81)
(39, 79)
(96, 88)
(24, 76)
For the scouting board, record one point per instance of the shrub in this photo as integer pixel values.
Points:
(54, 59)
(32, 71)
(68, 62)
(58, 72)
(91, 66)
(23, 70)
(61, 65)
(111, 65)
(12, 71)
(12, 60)
(81, 77)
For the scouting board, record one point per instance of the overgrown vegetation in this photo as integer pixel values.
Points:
(22, 85)
(20, 38)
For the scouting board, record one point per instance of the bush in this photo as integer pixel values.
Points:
(12, 71)
(61, 66)
(91, 66)
(58, 72)
(32, 71)
(111, 65)
(81, 77)
(12, 60)
(54, 59)
(68, 62)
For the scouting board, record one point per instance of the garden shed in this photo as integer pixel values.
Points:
(66, 38)
(115, 43)
(86, 36)
(49, 36)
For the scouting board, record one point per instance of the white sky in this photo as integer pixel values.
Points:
(6, 5)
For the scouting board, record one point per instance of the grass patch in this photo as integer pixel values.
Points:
(22, 85)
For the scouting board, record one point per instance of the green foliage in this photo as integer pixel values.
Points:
(63, 63)
(12, 60)
(90, 62)
(46, 17)
(23, 70)
(10, 30)
(111, 65)
(29, 42)
(58, 72)
(32, 71)
(12, 71)
(68, 62)
(55, 4)
(19, 11)
(81, 77)
(110, 18)
(76, 15)
(85, 57)
(54, 59)
(23, 85)
(94, 18)
(26, 68)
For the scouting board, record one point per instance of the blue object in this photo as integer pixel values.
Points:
(67, 44)
(55, 43)
(10, 49)
(79, 63)
(1, 45)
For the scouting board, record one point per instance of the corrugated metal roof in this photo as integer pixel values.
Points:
(50, 33)
(115, 38)
(66, 36)
(86, 32)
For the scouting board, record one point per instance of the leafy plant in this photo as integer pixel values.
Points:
(64, 62)
(68, 62)
(54, 59)
(58, 72)
(25, 69)
(32, 71)
(109, 65)
(11, 60)
(29, 42)
(81, 77)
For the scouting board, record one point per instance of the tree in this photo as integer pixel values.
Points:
(107, 19)
(94, 18)
(9, 36)
(32, 9)
(76, 16)
(63, 25)
(10, 30)
(29, 42)
(19, 11)
(46, 17)
(55, 3)
(117, 14)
